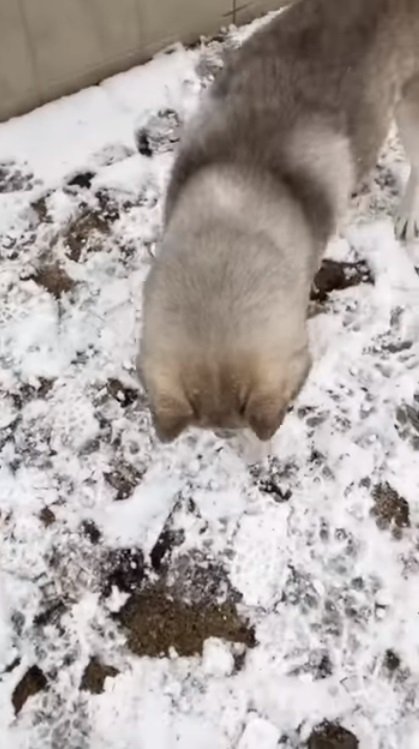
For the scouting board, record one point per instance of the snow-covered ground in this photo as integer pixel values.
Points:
(156, 597)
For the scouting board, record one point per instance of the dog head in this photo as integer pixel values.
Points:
(223, 393)
(224, 342)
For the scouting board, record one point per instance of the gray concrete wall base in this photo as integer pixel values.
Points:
(49, 48)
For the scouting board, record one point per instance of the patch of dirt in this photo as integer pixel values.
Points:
(274, 479)
(40, 208)
(29, 392)
(332, 736)
(156, 622)
(239, 658)
(272, 487)
(198, 580)
(123, 569)
(90, 529)
(82, 180)
(124, 480)
(47, 517)
(11, 666)
(88, 229)
(51, 614)
(191, 600)
(168, 540)
(336, 276)
(107, 206)
(397, 347)
(31, 683)
(14, 178)
(407, 418)
(54, 279)
(322, 668)
(9, 248)
(159, 134)
(392, 661)
(386, 179)
(125, 395)
(390, 509)
(94, 676)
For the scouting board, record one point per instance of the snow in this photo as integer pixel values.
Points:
(140, 518)
(259, 733)
(329, 592)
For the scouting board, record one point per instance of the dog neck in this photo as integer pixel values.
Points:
(319, 168)
(254, 204)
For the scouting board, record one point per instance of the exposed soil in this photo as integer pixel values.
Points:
(336, 276)
(124, 569)
(168, 540)
(86, 231)
(82, 180)
(95, 674)
(392, 661)
(51, 614)
(15, 178)
(28, 392)
(390, 509)
(90, 529)
(40, 208)
(407, 419)
(124, 479)
(274, 479)
(31, 683)
(54, 279)
(47, 517)
(332, 736)
(156, 623)
(125, 395)
(159, 134)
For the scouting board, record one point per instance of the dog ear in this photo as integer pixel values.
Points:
(265, 414)
(268, 404)
(170, 417)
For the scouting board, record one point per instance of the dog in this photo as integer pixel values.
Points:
(264, 172)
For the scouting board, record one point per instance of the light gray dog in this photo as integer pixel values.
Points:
(263, 174)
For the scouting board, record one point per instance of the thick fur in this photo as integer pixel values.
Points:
(262, 176)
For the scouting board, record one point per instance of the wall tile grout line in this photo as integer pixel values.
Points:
(32, 53)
